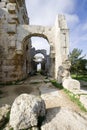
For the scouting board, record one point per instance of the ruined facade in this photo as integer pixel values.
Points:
(45, 62)
(15, 42)
(12, 63)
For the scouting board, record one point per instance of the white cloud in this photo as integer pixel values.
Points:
(72, 20)
(44, 12)
(40, 43)
(85, 27)
(78, 38)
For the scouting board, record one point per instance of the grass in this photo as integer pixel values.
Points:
(74, 98)
(57, 85)
(80, 77)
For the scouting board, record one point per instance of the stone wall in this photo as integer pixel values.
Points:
(12, 13)
(15, 42)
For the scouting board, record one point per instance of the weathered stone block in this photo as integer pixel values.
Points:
(11, 28)
(19, 45)
(63, 118)
(12, 19)
(11, 8)
(12, 44)
(71, 84)
(83, 100)
(25, 111)
(2, 5)
(7, 68)
(12, 40)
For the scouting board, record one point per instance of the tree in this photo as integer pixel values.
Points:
(83, 66)
(77, 62)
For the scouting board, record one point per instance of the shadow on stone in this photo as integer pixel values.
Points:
(51, 113)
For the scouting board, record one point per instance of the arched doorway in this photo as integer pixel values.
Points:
(40, 61)
(35, 31)
(29, 52)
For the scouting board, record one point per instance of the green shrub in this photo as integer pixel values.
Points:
(56, 84)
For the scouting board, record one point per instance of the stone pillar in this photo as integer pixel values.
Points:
(52, 65)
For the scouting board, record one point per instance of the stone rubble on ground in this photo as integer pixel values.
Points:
(64, 119)
(25, 111)
(71, 84)
(83, 100)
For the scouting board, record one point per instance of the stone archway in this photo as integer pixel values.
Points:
(38, 31)
(57, 37)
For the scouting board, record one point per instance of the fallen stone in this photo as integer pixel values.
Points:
(64, 119)
(26, 111)
(71, 84)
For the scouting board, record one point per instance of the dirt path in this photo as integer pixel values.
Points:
(36, 85)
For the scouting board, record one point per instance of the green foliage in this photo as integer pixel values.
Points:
(11, 129)
(6, 121)
(75, 99)
(80, 77)
(78, 64)
(56, 84)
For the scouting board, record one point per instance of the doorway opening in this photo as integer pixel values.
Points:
(40, 55)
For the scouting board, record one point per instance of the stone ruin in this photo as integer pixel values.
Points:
(15, 41)
(44, 61)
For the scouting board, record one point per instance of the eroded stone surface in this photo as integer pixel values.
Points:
(63, 119)
(83, 99)
(71, 84)
(25, 111)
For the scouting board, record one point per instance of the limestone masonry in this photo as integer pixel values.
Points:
(15, 42)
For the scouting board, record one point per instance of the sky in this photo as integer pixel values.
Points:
(44, 12)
